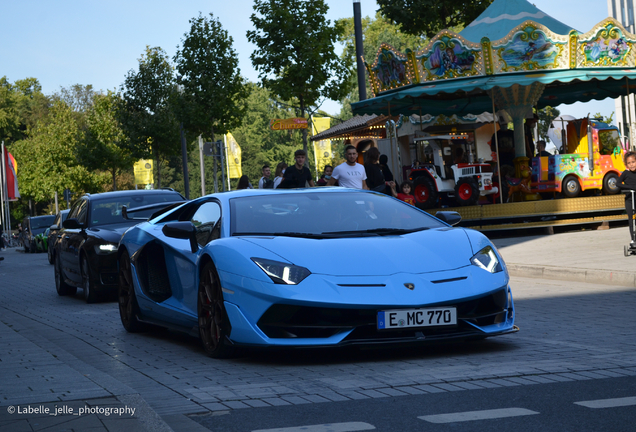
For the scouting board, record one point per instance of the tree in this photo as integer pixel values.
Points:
(105, 146)
(375, 32)
(213, 99)
(9, 118)
(148, 117)
(429, 17)
(46, 159)
(546, 116)
(295, 54)
(78, 97)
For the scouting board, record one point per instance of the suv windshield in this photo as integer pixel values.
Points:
(328, 213)
(42, 222)
(107, 210)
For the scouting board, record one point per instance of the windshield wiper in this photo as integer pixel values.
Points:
(281, 234)
(379, 231)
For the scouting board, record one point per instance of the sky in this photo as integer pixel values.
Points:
(67, 42)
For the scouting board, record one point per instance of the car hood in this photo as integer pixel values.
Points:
(421, 252)
(111, 233)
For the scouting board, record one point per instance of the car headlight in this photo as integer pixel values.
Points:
(104, 249)
(282, 273)
(487, 259)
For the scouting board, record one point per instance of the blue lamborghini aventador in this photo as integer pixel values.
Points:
(311, 267)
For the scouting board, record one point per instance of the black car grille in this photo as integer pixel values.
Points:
(292, 321)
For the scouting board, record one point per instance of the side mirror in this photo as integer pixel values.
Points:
(72, 224)
(450, 217)
(54, 227)
(182, 230)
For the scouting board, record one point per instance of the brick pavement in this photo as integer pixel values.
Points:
(60, 350)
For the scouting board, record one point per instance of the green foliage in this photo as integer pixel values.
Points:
(375, 32)
(546, 116)
(608, 120)
(429, 17)
(105, 145)
(46, 159)
(149, 118)
(78, 97)
(213, 99)
(295, 54)
(9, 118)
(259, 144)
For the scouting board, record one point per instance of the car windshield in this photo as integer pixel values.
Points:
(107, 211)
(326, 214)
(42, 222)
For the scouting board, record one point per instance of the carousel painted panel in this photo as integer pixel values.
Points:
(530, 47)
(390, 70)
(607, 45)
(449, 56)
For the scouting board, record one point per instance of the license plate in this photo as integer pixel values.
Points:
(405, 318)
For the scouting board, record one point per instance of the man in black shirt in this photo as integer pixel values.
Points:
(297, 175)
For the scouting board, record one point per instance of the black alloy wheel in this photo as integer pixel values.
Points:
(214, 325)
(62, 287)
(128, 307)
(90, 295)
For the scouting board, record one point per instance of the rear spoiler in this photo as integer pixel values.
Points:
(162, 208)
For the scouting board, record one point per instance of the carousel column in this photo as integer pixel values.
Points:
(518, 101)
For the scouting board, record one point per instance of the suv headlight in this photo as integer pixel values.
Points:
(487, 259)
(104, 249)
(282, 273)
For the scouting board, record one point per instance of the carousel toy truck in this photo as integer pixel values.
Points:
(592, 159)
(463, 182)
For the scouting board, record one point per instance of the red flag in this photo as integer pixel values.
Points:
(11, 169)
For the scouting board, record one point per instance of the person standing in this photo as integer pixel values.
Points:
(375, 178)
(280, 170)
(297, 175)
(627, 183)
(350, 173)
(265, 182)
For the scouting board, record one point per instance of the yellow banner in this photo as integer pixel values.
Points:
(322, 149)
(286, 124)
(233, 157)
(143, 171)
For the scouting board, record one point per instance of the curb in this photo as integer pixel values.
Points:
(607, 277)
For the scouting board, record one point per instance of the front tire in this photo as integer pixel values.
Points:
(214, 325)
(90, 295)
(62, 287)
(610, 184)
(128, 306)
(466, 192)
(50, 256)
(425, 193)
(571, 187)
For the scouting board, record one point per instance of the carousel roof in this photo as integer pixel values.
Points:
(503, 15)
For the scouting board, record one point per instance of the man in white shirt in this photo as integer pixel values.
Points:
(349, 174)
(265, 182)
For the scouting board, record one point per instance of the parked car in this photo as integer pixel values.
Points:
(31, 227)
(41, 241)
(53, 234)
(85, 252)
(311, 268)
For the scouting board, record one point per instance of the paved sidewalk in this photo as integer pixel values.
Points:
(594, 256)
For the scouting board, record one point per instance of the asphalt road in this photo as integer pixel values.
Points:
(572, 366)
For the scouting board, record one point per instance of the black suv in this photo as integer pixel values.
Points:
(86, 248)
(53, 234)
